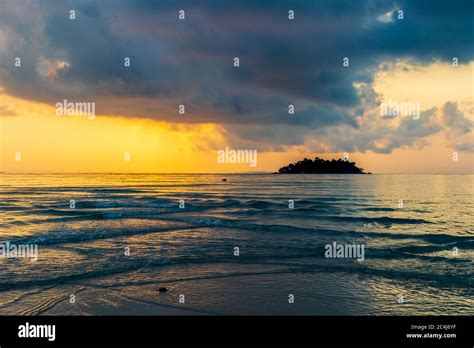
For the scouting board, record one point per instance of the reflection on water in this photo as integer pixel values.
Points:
(418, 234)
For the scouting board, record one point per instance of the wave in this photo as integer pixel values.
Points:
(84, 235)
(228, 223)
(384, 220)
(378, 209)
(65, 279)
(460, 280)
(159, 215)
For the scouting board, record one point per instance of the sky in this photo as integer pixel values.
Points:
(414, 53)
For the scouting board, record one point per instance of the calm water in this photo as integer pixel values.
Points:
(409, 250)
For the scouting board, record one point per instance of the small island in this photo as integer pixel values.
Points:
(321, 166)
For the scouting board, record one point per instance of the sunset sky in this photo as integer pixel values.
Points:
(191, 62)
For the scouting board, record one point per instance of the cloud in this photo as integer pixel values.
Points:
(458, 128)
(456, 121)
(190, 62)
(5, 110)
(381, 135)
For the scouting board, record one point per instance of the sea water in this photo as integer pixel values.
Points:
(108, 241)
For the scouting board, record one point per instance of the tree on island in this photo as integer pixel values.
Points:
(321, 166)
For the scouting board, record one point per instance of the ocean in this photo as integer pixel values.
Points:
(256, 244)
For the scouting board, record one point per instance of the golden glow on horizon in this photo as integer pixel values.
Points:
(50, 143)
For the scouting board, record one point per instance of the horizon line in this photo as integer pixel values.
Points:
(220, 173)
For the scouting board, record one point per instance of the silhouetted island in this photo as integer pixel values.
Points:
(321, 166)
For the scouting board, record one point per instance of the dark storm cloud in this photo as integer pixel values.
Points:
(190, 61)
